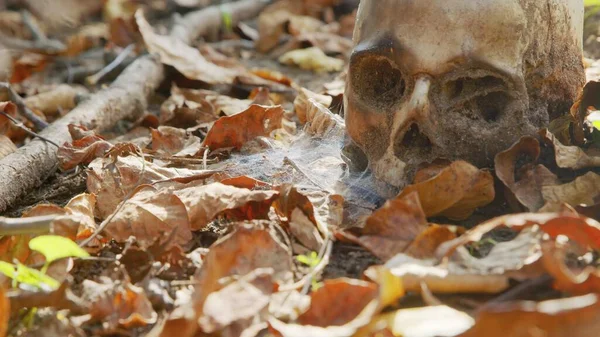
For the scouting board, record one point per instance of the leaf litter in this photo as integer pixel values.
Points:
(219, 209)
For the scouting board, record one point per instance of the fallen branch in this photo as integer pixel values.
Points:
(31, 225)
(29, 166)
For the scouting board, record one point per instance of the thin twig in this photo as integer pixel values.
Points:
(26, 129)
(22, 108)
(94, 79)
(31, 225)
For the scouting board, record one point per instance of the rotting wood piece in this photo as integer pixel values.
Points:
(28, 167)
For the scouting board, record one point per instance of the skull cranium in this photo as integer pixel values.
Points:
(458, 79)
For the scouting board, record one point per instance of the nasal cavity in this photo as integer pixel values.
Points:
(414, 138)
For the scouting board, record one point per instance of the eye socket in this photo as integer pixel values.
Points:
(464, 88)
(477, 97)
(376, 81)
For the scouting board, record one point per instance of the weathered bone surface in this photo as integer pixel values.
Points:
(458, 79)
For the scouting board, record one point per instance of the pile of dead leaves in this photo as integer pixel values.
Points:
(201, 220)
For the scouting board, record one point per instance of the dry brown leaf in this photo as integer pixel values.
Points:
(235, 131)
(392, 228)
(337, 309)
(573, 317)
(187, 60)
(4, 312)
(189, 107)
(81, 150)
(150, 212)
(302, 103)
(238, 305)
(272, 20)
(524, 183)
(60, 99)
(312, 59)
(584, 190)
(427, 242)
(572, 157)
(433, 321)
(118, 304)
(6, 146)
(111, 179)
(119, 15)
(455, 192)
(581, 230)
(27, 65)
(175, 142)
(588, 97)
(7, 128)
(250, 247)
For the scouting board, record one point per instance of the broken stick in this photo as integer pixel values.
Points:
(29, 166)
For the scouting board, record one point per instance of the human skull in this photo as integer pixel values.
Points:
(457, 79)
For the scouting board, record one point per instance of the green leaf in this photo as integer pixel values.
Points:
(26, 275)
(35, 278)
(7, 269)
(55, 247)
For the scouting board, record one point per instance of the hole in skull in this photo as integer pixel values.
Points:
(376, 81)
(414, 138)
(492, 105)
(465, 87)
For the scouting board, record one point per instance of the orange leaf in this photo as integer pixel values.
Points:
(234, 131)
(4, 312)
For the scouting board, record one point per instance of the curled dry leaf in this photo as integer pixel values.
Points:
(302, 103)
(322, 122)
(4, 312)
(111, 179)
(574, 317)
(584, 191)
(235, 131)
(250, 247)
(118, 304)
(433, 321)
(151, 212)
(524, 183)
(572, 157)
(272, 20)
(312, 59)
(455, 192)
(187, 60)
(81, 150)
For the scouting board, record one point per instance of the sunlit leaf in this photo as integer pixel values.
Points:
(55, 247)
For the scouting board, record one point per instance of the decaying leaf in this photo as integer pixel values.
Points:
(574, 317)
(524, 183)
(584, 190)
(312, 59)
(187, 60)
(455, 192)
(572, 157)
(235, 131)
